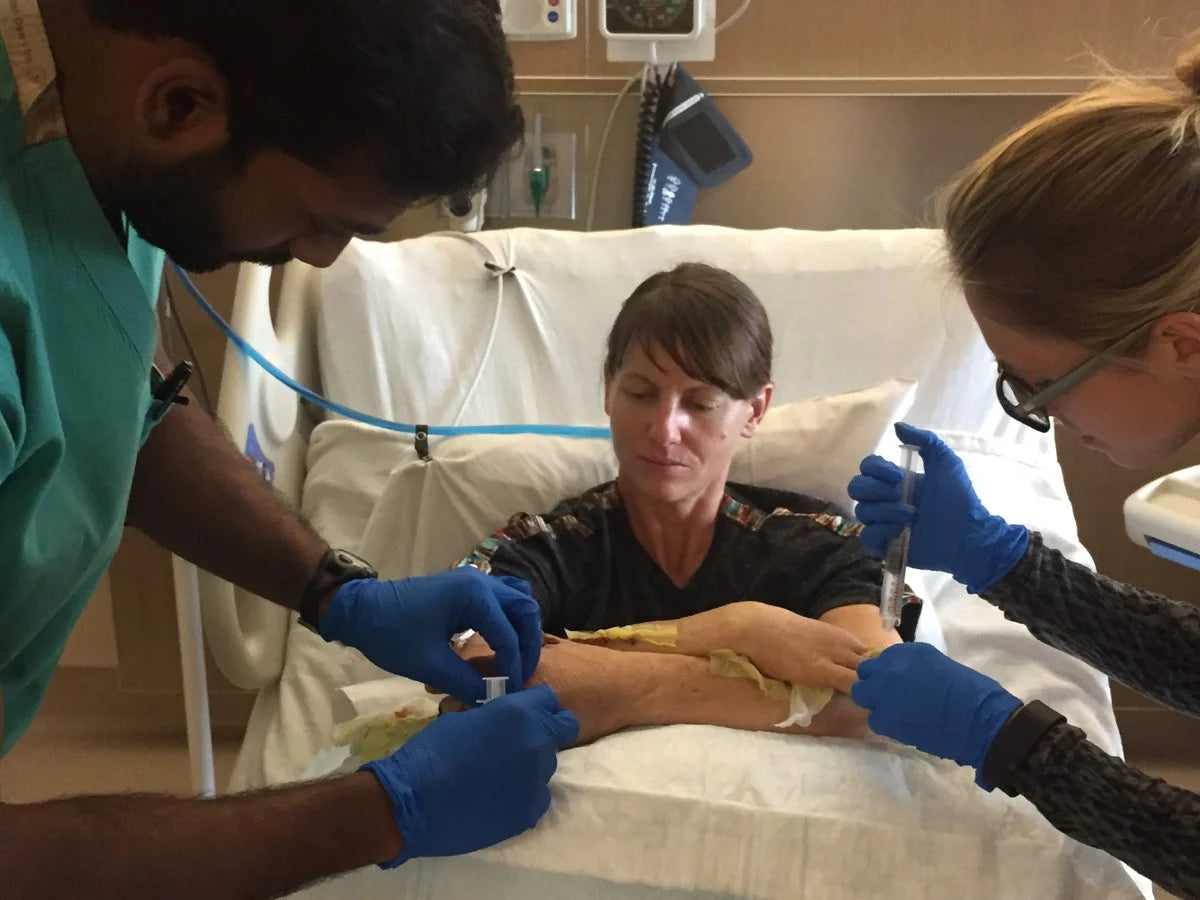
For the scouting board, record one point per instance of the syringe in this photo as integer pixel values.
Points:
(494, 687)
(895, 564)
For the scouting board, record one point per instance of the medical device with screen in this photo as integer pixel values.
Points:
(659, 18)
(699, 138)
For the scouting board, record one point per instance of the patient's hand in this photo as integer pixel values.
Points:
(789, 647)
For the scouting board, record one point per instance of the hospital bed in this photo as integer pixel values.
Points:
(508, 327)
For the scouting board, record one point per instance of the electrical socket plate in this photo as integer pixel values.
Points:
(539, 20)
(509, 197)
(473, 220)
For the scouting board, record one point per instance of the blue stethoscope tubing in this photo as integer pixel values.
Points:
(250, 351)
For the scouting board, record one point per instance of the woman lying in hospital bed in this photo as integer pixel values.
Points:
(737, 581)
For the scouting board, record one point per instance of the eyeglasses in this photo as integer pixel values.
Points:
(1028, 406)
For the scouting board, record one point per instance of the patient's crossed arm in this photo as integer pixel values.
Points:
(609, 690)
(816, 653)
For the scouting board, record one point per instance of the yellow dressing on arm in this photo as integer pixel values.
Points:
(663, 634)
(803, 702)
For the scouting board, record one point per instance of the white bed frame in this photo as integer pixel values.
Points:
(245, 633)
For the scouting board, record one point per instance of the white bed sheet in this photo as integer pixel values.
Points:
(792, 818)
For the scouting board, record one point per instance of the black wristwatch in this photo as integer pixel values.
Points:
(1016, 741)
(335, 569)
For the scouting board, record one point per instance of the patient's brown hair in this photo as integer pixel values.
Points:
(707, 319)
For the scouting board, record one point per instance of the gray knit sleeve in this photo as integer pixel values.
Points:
(1099, 800)
(1143, 640)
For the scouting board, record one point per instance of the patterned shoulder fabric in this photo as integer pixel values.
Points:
(749, 517)
(574, 515)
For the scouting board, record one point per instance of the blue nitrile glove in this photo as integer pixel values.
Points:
(476, 778)
(919, 696)
(951, 530)
(405, 626)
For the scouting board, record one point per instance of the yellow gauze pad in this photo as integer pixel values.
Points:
(378, 736)
(728, 664)
(803, 702)
(663, 634)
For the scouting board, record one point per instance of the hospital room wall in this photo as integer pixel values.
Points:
(856, 111)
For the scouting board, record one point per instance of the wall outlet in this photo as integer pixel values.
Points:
(539, 20)
(464, 212)
(509, 196)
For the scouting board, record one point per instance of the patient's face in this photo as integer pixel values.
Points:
(674, 436)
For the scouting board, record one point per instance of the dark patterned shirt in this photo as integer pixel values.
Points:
(588, 571)
(1145, 641)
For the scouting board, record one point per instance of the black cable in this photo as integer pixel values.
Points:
(649, 124)
(206, 398)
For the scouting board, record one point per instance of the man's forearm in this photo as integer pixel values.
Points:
(256, 845)
(196, 495)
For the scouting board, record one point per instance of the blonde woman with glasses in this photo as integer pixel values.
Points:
(1077, 242)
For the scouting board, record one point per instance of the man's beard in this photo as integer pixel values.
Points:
(175, 208)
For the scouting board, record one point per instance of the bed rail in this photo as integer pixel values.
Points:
(247, 635)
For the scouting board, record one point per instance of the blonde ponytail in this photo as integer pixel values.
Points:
(1086, 221)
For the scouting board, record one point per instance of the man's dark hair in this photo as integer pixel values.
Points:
(423, 87)
(707, 319)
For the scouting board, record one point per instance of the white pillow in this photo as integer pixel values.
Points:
(433, 513)
(814, 447)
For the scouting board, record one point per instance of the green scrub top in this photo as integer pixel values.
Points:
(77, 338)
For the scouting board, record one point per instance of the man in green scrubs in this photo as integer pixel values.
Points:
(257, 130)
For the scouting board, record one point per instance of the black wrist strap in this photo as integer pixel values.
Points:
(335, 569)
(1016, 741)
(310, 601)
